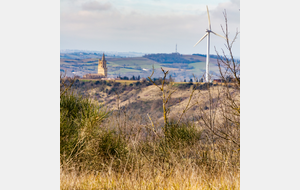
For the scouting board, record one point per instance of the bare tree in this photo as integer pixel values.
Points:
(220, 114)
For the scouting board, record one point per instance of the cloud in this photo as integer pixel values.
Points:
(96, 6)
(136, 30)
(237, 2)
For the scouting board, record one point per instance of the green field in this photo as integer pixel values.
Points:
(134, 64)
(198, 66)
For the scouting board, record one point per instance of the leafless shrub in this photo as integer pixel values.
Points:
(220, 109)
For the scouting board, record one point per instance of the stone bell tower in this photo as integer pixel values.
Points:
(102, 69)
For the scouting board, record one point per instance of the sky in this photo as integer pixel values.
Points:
(148, 26)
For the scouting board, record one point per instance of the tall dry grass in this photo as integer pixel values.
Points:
(183, 177)
(138, 156)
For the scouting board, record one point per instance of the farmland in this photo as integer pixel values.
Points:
(139, 66)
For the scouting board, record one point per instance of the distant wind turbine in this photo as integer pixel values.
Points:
(208, 31)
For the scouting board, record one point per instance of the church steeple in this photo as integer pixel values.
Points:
(102, 69)
(103, 57)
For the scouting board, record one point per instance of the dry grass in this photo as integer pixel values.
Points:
(181, 178)
(143, 155)
(201, 165)
(127, 82)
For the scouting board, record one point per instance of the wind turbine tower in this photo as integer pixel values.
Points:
(208, 31)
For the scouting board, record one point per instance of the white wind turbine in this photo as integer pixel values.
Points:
(208, 31)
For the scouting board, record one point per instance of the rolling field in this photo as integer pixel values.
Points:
(133, 61)
(140, 66)
(123, 82)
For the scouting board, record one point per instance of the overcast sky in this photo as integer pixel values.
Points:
(149, 26)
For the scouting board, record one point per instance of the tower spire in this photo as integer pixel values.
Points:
(102, 69)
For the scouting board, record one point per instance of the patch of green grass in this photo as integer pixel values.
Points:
(134, 61)
(86, 80)
(198, 65)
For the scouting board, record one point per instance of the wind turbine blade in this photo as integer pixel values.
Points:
(209, 26)
(201, 39)
(218, 35)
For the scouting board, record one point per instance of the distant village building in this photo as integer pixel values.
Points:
(143, 79)
(102, 70)
(218, 80)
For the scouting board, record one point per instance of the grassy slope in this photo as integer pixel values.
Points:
(185, 173)
(142, 97)
(133, 61)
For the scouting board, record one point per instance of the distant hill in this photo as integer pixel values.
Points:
(169, 58)
(180, 66)
(84, 54)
